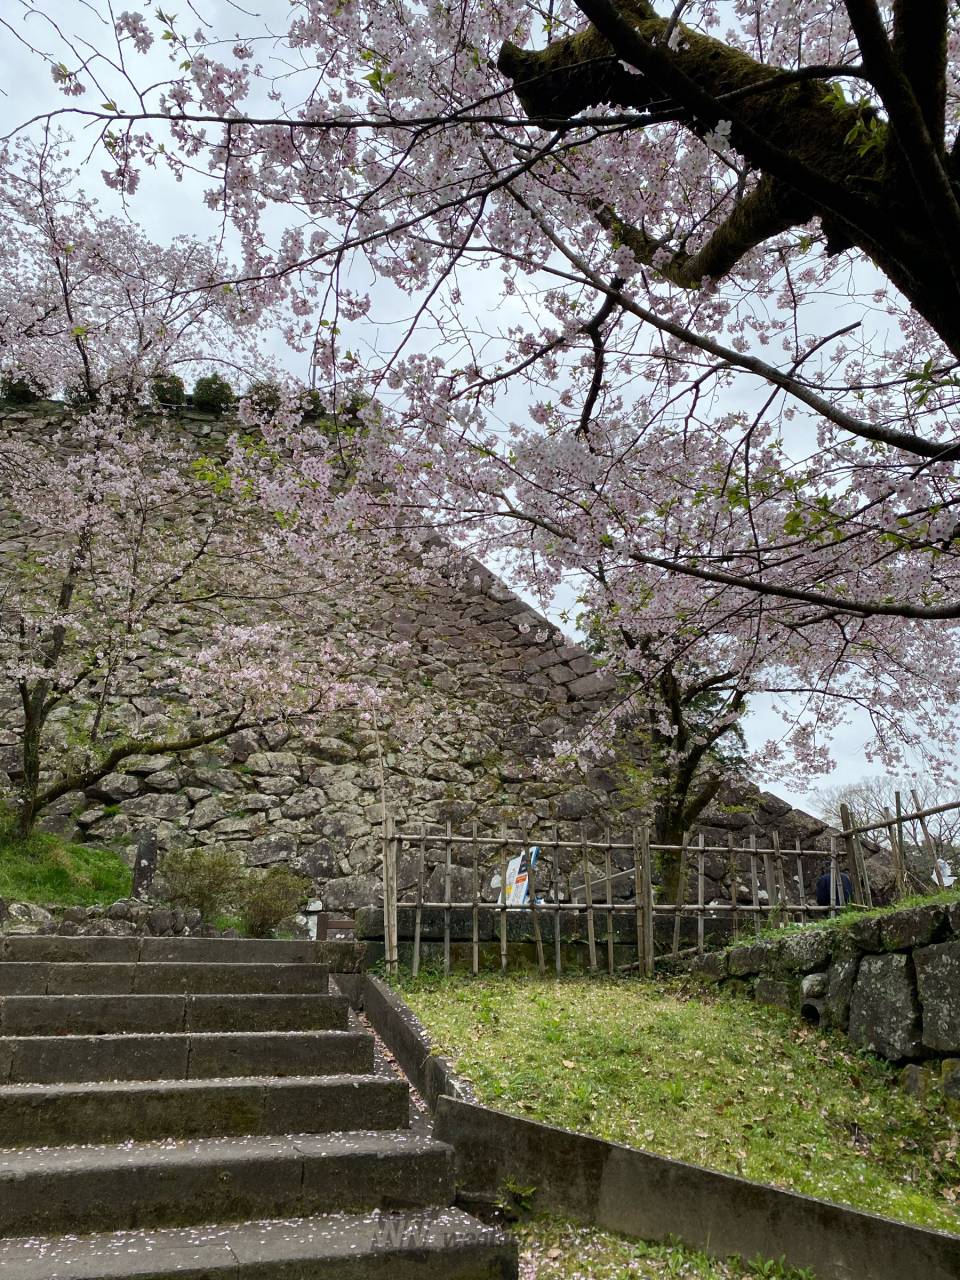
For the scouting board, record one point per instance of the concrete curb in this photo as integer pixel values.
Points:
(620, 1188)
(404, 1035)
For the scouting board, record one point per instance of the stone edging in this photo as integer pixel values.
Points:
(405, 1036)
(620, 1188)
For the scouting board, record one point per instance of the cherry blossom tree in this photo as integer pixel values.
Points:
(134, 570)
(723, 247)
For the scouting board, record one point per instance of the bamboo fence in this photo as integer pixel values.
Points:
(578, 876)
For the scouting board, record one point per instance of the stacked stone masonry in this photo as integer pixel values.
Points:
(495, 684)
(890, 982)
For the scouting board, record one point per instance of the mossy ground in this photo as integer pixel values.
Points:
(674, 1068)
(50, 871)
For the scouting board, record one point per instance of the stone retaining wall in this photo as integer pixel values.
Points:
(890, 982)
(495, 684)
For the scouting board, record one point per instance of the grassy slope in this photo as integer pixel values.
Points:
(554, 1250)
(702, 1077)
(48, 870)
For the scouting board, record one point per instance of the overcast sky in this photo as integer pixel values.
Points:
(165, 208)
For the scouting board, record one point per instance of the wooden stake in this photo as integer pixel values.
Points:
(929, 841)
(608, 870)
(646, 871)
(447, 871)
(734, 887)
(588, 892)
(476, 904)
(700, 896)
(503, 901)
(801, 891)
(681, 892)
(754, 886)
(557, 957)
(836, 883)
(849, 841)
(638, 903)
(418, 915)
(532, 895)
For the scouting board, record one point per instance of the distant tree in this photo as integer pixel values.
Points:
(871, 799)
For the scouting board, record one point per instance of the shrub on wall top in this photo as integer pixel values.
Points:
(212, 393)
(168, 390)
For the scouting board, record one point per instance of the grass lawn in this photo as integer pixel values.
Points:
(554, 1250)
(714, 1079)
(48, 870)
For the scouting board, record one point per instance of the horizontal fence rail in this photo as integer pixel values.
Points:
(590, 890)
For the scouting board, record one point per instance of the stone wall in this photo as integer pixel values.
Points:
(891, 982)
(493, 682)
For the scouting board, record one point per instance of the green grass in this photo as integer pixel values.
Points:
(850, 915)
(700, 1076)
(47, 870)
(551, 1249)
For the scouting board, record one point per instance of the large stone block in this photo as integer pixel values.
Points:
(347, 893)
(753, 958)
(938, 985)
(114, 787)
(912, 927)
(884, 1009)
(278, 763)
(781, 992)
(806, 952)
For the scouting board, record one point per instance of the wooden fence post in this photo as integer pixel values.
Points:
(390, 894)
(896, 851)
(646, 871)
(929, 842)
(418, 916)
(853, 865)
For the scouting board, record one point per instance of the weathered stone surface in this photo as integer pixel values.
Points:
(210, 810)
(114, 787)
(146, 765)
(163, 780)
(920, 1082)
(347, 893)
(304, 803)
(813, 986)
(278, 763)
(805, 952)
(865, 934)
(912, 927)
(753, 958)
(781, 992)
(884, 1009)
(25, 913)
(334, 750)
(163, 805)
(272, 848)
(711, 965)
(938, 985)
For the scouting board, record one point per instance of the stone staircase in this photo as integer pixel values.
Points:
(206, 1108)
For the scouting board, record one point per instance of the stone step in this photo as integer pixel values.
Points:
(129, 950)
(183, 1056)
(433, 1244)
(103, 1015)
(147, 977)
(178, 1183)
(41, 1115)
